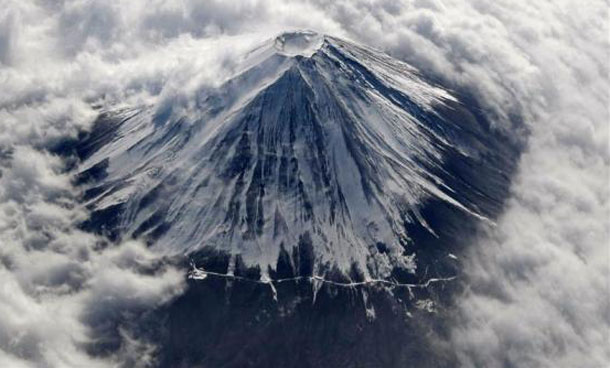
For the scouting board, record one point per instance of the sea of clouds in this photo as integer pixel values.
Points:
(539, 281)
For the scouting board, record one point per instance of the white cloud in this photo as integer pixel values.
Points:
(539, 281)
(54, 283)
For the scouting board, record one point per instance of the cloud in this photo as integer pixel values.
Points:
(538, 291)
(56, 287)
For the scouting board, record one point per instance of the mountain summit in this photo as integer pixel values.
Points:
(316, 144)
(304, 43)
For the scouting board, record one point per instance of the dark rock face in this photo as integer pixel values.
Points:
(216, 325)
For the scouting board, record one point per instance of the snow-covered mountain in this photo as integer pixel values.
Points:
(323, 194)
(315, 144)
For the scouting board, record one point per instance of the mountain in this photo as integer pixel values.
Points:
(324, 191)
(314, 140)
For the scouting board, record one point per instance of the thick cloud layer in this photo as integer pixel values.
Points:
(539, 279)
(60, 292)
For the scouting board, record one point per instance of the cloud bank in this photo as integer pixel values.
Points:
(60, 292)
(539, 288)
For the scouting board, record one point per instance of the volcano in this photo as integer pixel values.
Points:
(317, 161)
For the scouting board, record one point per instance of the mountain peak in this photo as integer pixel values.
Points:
(302, 42)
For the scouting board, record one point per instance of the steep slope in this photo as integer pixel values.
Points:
(316, 144)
